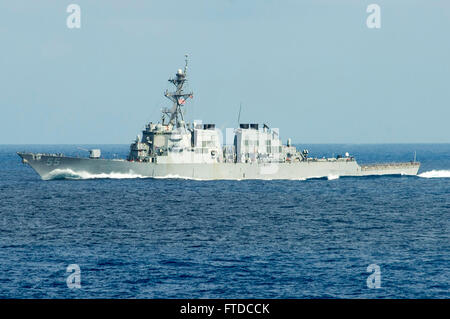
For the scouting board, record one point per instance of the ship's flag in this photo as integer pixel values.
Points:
(181, 100)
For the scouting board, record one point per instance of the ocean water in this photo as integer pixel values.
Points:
(176, 238)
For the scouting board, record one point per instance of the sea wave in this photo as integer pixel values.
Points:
(70, 174)
(435, 174)
(331, 177)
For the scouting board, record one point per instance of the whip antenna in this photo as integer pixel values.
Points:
(239, 115)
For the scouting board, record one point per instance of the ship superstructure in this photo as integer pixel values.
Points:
(174, 141)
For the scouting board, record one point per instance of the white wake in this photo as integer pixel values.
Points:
(70, 174)
(174, 176)
(435, 174)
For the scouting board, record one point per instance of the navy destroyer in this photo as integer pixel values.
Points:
(173, 148)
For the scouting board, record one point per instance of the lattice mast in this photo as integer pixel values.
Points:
(179, 97)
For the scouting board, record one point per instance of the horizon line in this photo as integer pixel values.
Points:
(294, 143)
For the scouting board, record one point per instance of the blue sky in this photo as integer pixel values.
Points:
(311, 68)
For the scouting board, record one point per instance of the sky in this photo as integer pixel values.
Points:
(311, 68)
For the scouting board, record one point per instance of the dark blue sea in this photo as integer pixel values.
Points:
(176, 238)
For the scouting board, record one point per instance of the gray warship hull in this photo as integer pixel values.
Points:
(54, 166)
